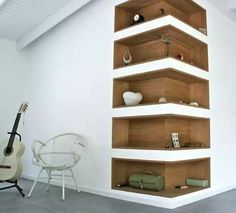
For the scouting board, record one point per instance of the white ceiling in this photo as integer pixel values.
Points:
(19, 17)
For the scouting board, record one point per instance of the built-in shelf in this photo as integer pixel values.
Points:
(155, 132)
(175, 173)
(157, 23)
(160, 65)
(169, 53)
(163, 154)
(161, 110)
(174, 86)
(149, 46)
(185, 10)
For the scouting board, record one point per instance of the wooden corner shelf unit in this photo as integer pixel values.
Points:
(153, 131)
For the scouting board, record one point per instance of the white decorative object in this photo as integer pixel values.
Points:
(132, 98)
(175, 140)
(194, 104)
(162, 100)
(127, 58)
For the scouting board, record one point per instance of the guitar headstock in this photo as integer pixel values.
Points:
(23, 107)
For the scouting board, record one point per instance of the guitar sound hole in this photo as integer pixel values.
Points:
(8, 151)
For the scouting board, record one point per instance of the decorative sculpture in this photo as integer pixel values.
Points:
(127, 58)
(132, 98)
(166, 40)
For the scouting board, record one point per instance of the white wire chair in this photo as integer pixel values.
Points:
(59, 154)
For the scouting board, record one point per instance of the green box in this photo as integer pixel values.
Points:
(147, 181)
(197, 182)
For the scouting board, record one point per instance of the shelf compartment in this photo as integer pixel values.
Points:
(149, 132)
(169, 83)
(175, 173)
(185, 10)
(149, 47)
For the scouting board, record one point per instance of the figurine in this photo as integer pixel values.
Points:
(127, 58)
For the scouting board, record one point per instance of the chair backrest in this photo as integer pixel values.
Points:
(61, 150)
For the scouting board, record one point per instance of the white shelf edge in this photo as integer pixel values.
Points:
(158, 23)
(161, 109)
(167, 63)
(161, 155)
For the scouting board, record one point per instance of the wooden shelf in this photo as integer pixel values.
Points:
(172, 85)
(160, 65)
(161, 154)
(170, 193)
(164, 109)
(149, 47)
(185, 10)
(155, 132)
(158, 23)
(174, 173)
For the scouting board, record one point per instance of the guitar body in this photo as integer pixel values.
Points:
(13, 161)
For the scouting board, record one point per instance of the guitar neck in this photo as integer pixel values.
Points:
(14, 131)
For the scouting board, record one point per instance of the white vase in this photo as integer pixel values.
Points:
(132, 98)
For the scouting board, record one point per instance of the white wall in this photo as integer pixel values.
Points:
(12, 85)
(70, 89)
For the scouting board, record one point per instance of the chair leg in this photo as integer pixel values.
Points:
(75, 180)
(49, 178)
(36, 180)
(63, 185)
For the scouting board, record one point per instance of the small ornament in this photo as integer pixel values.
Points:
(166, 40)
(162, 11)
(203, 30)
(175, 140)
(132, 98)
(127, 58)
(138, 19)
(180, 56)
(162, 100)
(194, 104)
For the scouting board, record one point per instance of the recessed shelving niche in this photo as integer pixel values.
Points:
(149, 46)
(171, 84)
(175, 173)
(184, 10)
(155, 132)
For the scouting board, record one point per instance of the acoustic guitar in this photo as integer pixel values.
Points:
(11, 152)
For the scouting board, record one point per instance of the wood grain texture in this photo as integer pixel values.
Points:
(155, 132)
(173, 85)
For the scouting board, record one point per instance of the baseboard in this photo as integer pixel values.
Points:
(169, 203)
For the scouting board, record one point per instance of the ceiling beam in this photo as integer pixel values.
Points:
(51, 22)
